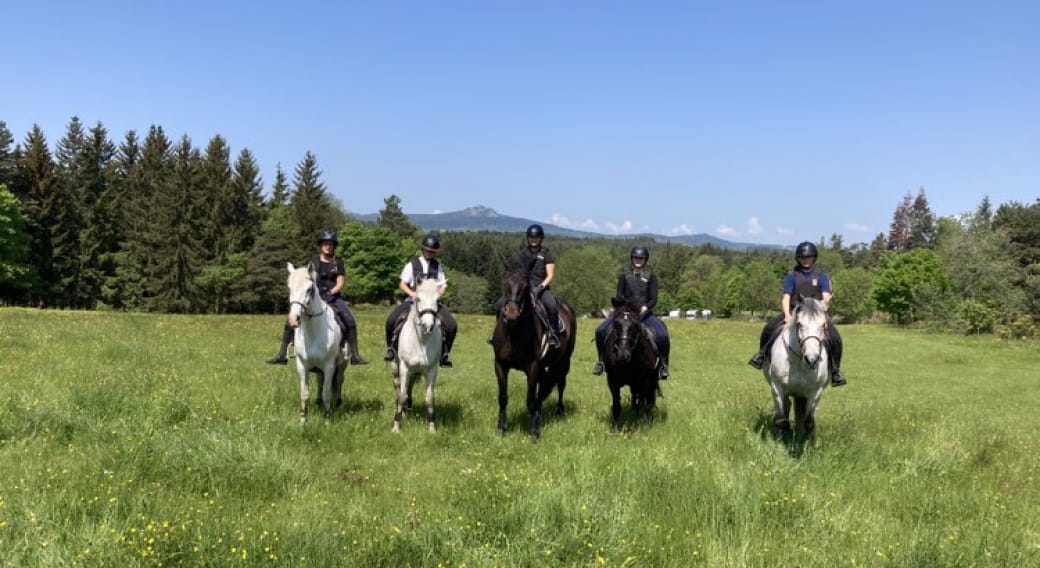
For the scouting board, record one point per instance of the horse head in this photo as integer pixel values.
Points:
(425, 304)
(809, 321)
(516, 291)
(626, 330)
(302, 292)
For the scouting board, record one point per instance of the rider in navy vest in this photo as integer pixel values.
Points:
(331, 277)
(540, 263)
(809, 281)
(638, 284)
(422, 267)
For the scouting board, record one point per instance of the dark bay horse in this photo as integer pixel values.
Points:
(519, 342)
(630, 360)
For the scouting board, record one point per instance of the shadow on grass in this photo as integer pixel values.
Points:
(518, 420)
(794, 441)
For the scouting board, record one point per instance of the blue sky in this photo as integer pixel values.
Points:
(769, 122)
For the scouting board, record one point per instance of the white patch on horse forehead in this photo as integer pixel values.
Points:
(299, 278)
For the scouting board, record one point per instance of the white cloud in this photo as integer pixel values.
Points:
(753, 226)
(589, 225)
(857, 228)
(624, 227)
(726, 231)
(784, 231)
(683, 229)
(560, 221)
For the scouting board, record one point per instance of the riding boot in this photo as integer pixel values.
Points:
(758, 360)
(446, 360)
(280, 358)
(597, 369)
(391, 353)
(662, 371)
(837, 380)
(355, 356)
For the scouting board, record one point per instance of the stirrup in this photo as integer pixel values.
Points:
(758, 360)
(597, 369)
(390, 354)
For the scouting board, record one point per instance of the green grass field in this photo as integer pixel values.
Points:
(147, 440)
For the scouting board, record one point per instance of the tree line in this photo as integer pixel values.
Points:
(162, 225)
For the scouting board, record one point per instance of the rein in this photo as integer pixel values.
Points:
(306, 306)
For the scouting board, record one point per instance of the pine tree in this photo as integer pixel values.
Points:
(98, 239)
(215, 181)
(280, 189)
(15, 270)
(922, 224)
(311, 208)
(8, 162)
(181, 209)
(146, 228)
(41, 202)
(393, 218)
(899, 231)
(124, 187)
(66, 239)
(247, 202)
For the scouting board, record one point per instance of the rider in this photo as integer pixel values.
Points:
(330, 281)
(540, 263)
(422, 267)
(805, 279)
(638, 284)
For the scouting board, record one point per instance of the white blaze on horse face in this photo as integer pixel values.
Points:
(811, 331)
(426, 304)
(301, 289)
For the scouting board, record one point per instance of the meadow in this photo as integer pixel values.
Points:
(164, 440)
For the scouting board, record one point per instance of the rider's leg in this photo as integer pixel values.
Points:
(664, 344)
(551, 313)
(834, 348)
(601, 340)
(450, 329)
(391, 329)
(765, 341)
(287, 337)
(352, 338)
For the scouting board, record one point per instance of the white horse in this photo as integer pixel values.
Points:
(798, 368)
(418, 352)
(317, 341)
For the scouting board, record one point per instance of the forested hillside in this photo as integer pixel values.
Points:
(154, 224)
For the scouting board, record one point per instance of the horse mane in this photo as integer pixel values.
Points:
(427, 289)
(812, 308)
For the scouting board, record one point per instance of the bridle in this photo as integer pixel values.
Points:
(306, 305)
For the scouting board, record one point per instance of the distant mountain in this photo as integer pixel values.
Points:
(480, 218)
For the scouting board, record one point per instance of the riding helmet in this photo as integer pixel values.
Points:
(327, 235)
(640, 252)
(805, 249)
(535, 232)
(431, 243)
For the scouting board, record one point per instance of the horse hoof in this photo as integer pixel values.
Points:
(396, 429)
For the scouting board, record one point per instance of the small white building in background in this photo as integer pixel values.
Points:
(675, 314)
(691, 314)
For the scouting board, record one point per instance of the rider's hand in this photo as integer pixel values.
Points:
(787, 319)
(537, 290)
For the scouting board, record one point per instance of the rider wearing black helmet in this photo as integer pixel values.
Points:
(540, 263)
(330, 280)
(638, 283)
(805, 279)
(422, 267)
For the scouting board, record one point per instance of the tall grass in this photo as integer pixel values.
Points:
(146, 440)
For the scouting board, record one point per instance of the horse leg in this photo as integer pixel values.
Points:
(534, 400)
(337, 385)
(327, 377)
(431, 379)
(615, 405)
(305, 393)
(502, 373)
(561, 383)
(400, 393)
(781, 409)
(800, 405)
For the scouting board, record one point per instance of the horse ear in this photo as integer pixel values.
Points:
(290, 267)
(617, 302)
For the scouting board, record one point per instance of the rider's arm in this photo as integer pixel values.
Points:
(785, 305)
(406, 289)
(339, 284)
(826, 300)
(550, 271)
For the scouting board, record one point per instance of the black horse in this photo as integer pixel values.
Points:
(630, 360)
(520, 342)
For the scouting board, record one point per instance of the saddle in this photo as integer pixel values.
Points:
(543, 316)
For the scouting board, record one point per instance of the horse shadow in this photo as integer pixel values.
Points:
(447, 414)
(796, 443)
(631, 421)
(519, 419)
